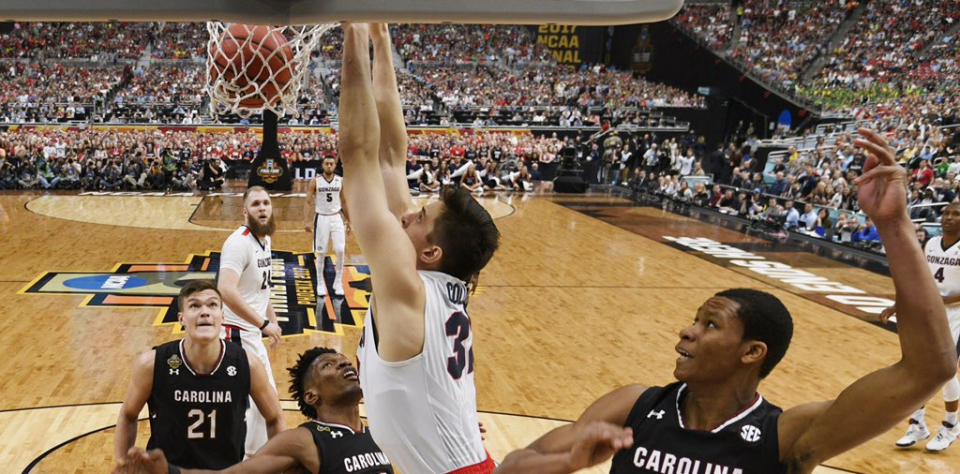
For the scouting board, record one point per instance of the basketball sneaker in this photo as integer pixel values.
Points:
(915, 432)
(947, 435)
(338, 287)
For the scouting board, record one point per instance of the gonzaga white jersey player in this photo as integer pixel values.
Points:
(430, 400)
(244, 282)
(943, 257)
(325, 217)
(416, 356)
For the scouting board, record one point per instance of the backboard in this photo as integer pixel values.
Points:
(302, 12)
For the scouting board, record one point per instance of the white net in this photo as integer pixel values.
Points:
(251, 68)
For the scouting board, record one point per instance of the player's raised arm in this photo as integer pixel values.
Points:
(138, 392)
(591, 440)
(389, 251)
(811, 434)
(393, 131)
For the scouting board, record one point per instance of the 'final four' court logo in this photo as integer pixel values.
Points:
(269, 171)
(293, 283)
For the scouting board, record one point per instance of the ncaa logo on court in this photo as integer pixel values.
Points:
(750, 433)
(105, 282)
(157, 285)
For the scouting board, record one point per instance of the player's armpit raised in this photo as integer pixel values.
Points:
(795, 421)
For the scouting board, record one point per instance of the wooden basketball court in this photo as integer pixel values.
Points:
(585, 295)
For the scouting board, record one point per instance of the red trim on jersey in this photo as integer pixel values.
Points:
(246, 231)
(228, 328)
(750, 406)
(485, 467)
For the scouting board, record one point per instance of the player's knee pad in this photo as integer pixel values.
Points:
(951, 391)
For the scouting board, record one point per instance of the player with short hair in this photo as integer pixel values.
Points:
(943, 258)
(334, 441)
(714, 419)
(197, 390)
(416, 353)
(244, 280)
(325, 217)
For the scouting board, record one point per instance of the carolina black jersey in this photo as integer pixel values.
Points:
(198, 420)
(342, 451)
(744, 444)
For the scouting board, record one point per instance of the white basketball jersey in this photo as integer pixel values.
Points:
(328, 195)
(945, 267)
(247, 255)
(423, 411)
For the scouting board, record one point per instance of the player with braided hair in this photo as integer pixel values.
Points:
(334, 441)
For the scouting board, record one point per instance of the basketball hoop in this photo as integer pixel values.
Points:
(255, 68)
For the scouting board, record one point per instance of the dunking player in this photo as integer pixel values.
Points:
(415, 355)
(244, 281)
(714, 418)
(943, 257)
(322, 216)
(326, 387)
(197, 390)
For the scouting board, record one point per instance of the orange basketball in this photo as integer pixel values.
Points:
(249, 56)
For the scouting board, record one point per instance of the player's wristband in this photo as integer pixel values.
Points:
(171, 469)
(266, 322)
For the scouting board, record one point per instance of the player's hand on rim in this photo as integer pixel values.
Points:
(882, 189)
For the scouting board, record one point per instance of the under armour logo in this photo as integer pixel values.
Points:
(750, 433)
(231, 371)
(658, 414)
(174, 371)
(336, 434)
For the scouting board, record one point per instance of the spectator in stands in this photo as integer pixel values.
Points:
(824, 226)
(779, 185)
(70, 175)
(866, 233)
(845, 227)
(211, 176)
(427, 181)
(701, 198)
(471, 180)
(809, 217)
(729, 203)
(110, 177)
(774, 213)
(922, 236)
(791, 216)
(924, 174)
